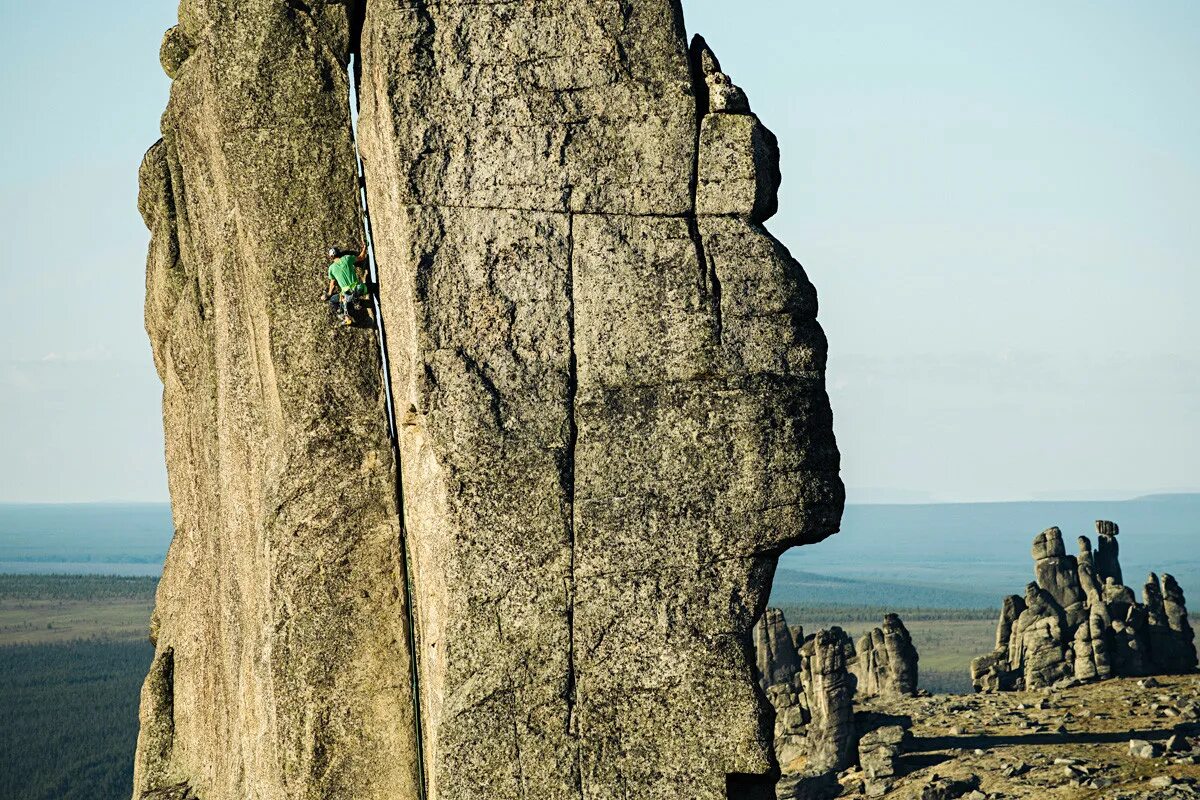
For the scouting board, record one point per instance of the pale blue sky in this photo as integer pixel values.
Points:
(996, 201)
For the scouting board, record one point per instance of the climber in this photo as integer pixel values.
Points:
(346, 285)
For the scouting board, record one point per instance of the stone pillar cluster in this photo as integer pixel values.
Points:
(886, 662)
(1077, 621)
(812, 681)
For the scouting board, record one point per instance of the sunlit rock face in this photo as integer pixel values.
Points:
(282, 663)
(608, 383)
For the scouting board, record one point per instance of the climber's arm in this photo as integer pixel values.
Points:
(332, 287)
(360, 264)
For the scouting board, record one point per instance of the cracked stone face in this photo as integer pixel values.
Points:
(609, 394)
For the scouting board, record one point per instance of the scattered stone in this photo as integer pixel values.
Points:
(879, 749)
(877, 787)
(938, 788)
(1178, 743)
(1161, 781)
(1140, 748)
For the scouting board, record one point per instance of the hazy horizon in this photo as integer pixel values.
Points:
(995, 201)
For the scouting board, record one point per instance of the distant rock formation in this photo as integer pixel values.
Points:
(812, 684)
(829, 691)
(886, 661)
(526, 562)
(1078, 622)
(775, 649)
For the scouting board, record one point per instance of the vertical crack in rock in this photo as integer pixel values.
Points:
(356, 25)
(710, 283)
(606, 389)
(568, 227)
(569, 477)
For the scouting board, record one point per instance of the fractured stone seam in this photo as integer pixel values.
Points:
(394, 440)
(569, 475)
(710, 284)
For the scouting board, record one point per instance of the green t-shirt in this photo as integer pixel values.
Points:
(342, 270)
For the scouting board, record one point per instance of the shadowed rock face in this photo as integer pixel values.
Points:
(609, 390)
(1071, 625)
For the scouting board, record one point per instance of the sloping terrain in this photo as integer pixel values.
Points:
(1067, 744)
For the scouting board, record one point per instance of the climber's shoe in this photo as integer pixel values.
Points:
(347, 321)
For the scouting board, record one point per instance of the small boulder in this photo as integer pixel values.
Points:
(1140, 748)
(948, 788)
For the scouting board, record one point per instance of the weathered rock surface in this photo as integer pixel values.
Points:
(608, 381)
(818, 732)
(878, 750)
(282, 667)
(886, 662)
(1077, 622)
(775, 650)
(829, 690)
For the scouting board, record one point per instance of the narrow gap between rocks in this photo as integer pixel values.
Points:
(710, 284)
(354, 69)
(569, 478)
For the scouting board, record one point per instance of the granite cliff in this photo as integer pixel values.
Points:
(605, 386)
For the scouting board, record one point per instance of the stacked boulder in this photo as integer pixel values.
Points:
(811, 681)
(1077, 621)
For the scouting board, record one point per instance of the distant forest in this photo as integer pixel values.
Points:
(76, 587)
(68, 719)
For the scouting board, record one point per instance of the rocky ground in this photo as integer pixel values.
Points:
(1123, 738)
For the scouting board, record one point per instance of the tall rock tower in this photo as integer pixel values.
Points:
(609, 408)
